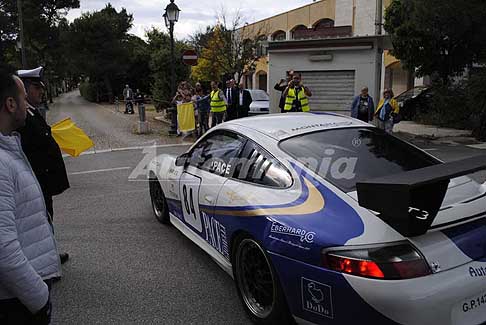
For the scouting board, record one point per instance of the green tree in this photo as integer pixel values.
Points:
(437, 37)
(209, 68)
(98, 44)
(227, 48)
(160, 65)
(43, 21)
(138, 73)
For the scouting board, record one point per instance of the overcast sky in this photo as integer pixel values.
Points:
(195, 14)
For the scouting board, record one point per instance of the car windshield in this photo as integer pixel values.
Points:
(258, 95)
(347, 156)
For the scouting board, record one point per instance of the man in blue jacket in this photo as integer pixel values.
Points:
(363, 106)
(28, 255)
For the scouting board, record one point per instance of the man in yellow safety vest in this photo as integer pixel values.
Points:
(218, 104)
(296, 95)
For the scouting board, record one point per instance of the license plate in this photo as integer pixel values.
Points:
(470, 311)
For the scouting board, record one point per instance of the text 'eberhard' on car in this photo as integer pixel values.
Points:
(324, 219)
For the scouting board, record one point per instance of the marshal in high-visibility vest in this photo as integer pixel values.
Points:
(292, 95)
(217, 104)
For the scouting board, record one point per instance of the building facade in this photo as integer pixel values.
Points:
(333, 44)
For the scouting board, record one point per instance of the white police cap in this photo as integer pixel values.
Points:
(34, 75)
(31, 74)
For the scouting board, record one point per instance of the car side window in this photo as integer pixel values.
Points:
(216, 152)
(257, 166)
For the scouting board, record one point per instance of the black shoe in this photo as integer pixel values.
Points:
(64, 257)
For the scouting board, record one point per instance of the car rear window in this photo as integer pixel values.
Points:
(347, 156)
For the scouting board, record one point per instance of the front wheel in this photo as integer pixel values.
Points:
(159, 202)
(258, 285)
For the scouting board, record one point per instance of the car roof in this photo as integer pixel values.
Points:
(283, 126)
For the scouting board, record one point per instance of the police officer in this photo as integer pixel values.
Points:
(39, 146)
(296, 95)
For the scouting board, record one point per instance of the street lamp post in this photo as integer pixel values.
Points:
(171, 16)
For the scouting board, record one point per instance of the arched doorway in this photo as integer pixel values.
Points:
(261, 80)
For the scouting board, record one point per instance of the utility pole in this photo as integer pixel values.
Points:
(21, 32)
(379, 48)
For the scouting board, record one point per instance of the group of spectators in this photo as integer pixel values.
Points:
(32, 171)
(216, 105)
(294, 98)
(387, 113)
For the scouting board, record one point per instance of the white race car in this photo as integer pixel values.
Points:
(324, 219)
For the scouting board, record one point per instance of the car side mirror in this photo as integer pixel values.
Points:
(182, 160)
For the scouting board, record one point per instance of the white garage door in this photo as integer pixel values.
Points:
(331, 90)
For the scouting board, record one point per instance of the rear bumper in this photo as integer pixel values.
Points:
(455, 297)
(443, 298)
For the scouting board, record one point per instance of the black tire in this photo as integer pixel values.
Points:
(159, 202)
(258, 285)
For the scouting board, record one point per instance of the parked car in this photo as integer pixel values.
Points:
(325, 219)
(261, 102)
(414, 101)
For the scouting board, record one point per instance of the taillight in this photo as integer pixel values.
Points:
(394, 262)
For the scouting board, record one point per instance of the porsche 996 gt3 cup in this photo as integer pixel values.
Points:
(321, 218)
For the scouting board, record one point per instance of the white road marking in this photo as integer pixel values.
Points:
(478, 146)
(93, 152)
(431, 149)
(100, 170)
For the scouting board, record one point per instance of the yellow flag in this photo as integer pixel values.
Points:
(71, 139)
(185, 117)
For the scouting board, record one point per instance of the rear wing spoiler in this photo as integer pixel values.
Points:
(410, 201)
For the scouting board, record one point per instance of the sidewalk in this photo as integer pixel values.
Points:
(429, 131)
(414, 132)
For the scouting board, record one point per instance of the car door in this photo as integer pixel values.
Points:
(208, 168)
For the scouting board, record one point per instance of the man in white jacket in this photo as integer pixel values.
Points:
(28, 253)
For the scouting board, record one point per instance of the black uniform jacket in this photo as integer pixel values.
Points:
(44, 154)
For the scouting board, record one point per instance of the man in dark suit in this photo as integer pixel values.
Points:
(39, 146)
(231, 93)
(244, 101)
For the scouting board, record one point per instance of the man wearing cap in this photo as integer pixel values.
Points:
(39, 146)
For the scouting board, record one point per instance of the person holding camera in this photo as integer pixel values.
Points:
(281, 86)
(296, 95)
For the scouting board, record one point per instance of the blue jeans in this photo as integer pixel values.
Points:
(387, 125)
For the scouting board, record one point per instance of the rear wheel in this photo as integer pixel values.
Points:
(258, 285)
(159, 202)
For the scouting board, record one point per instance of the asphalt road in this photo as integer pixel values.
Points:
(107, 128)
(125, 267)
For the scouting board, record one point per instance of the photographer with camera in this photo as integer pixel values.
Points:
(296, 95)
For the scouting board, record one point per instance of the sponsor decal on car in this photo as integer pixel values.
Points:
(216, 234)
(317, 298)
(476, 302)
(321, 125)
(304, 235)
(219, 167)
(479, 271)
(288, 242)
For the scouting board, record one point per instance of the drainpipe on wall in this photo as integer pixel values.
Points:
(379, 48)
